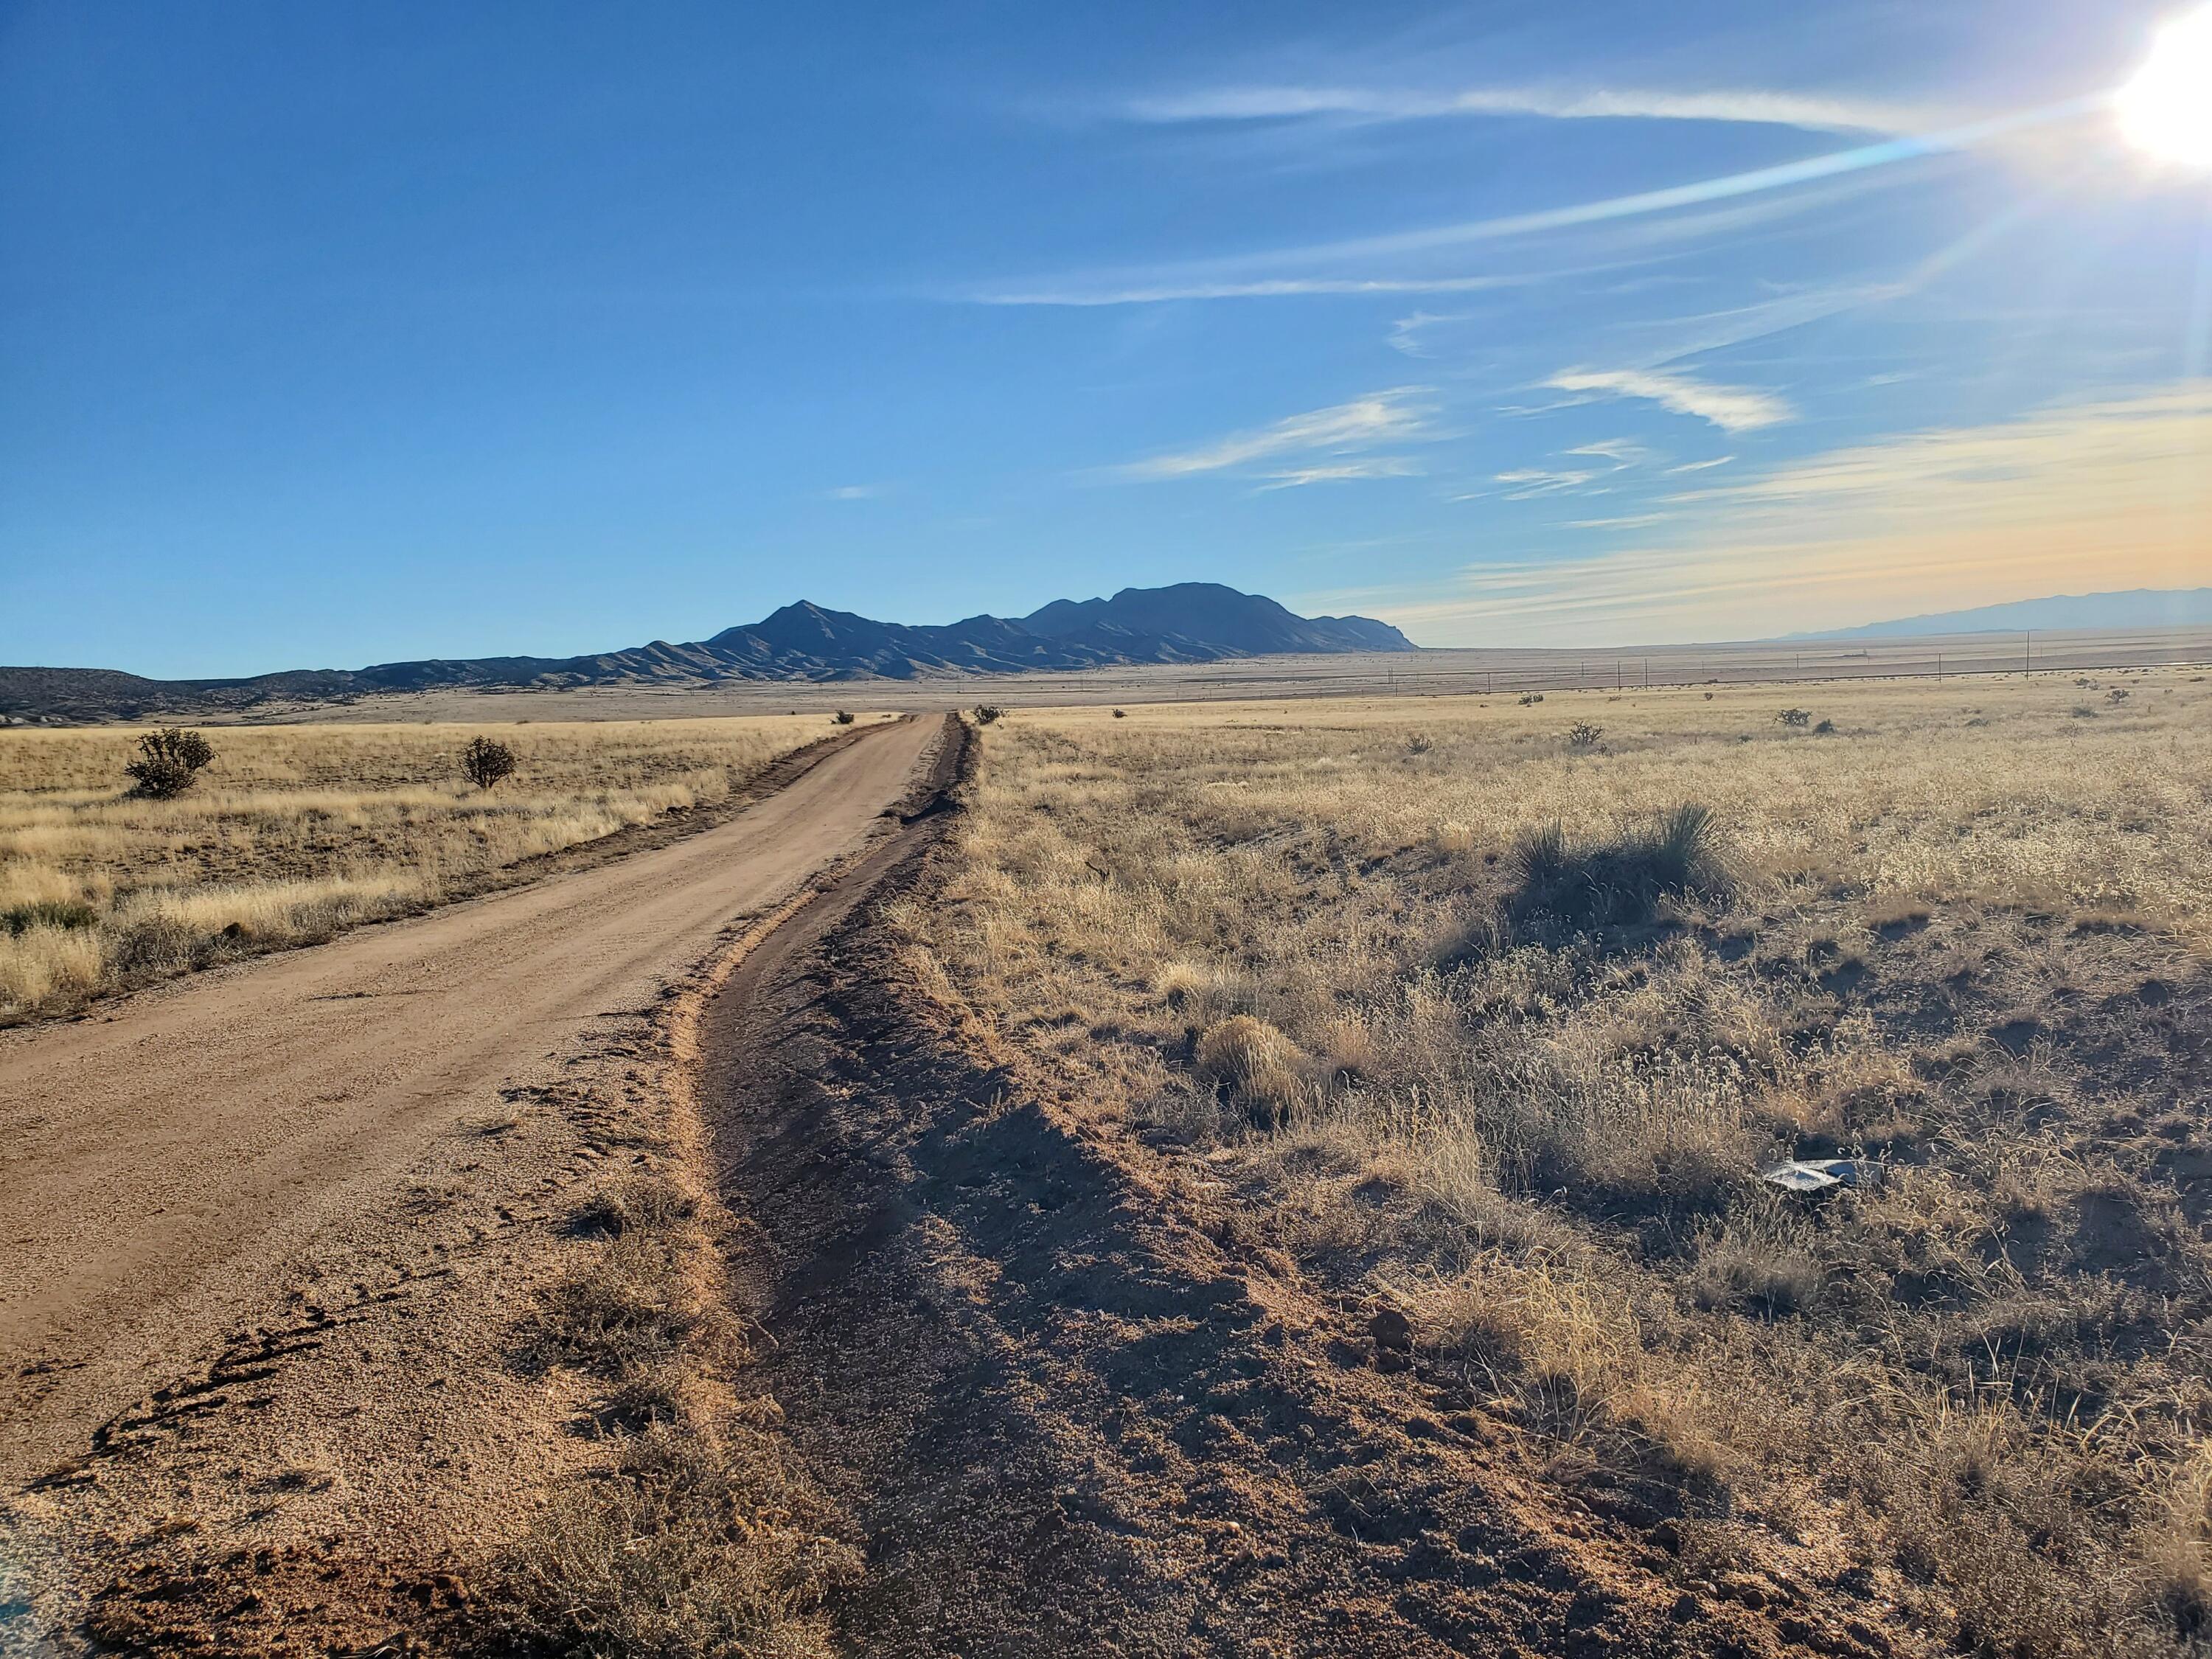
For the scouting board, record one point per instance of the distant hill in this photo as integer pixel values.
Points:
(1190, 622)
(2142, 607)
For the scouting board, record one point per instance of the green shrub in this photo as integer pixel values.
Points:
(169, 762)
(47, 913)
(485, 762)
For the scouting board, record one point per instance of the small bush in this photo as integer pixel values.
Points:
(1530, 698)
(1582, 735)
(1262, 1071)
(169, 762)
(1825, 729)
(843, 717)
(1795, 717)
(47, 913)
(1619, 882)
(484, 762)
(988, 712)
(1420, 744)
(1121, 714)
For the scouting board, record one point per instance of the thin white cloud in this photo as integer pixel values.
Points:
(1701, 467)
(1752, 107)
(1375, 466)
(1732, 408)
(1527, 483)
(1242, 275)
(1369, 422)
(1637, 521)
(1621, 451)
(1079, 294)
(852, 493)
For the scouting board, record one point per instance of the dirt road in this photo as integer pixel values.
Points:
(159, 1164)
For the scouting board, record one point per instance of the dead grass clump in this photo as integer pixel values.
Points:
(1622, 881)
(626, 1309)
(641, 1204)
(1261, 1072)
(1750, 1274)
(687, 1549)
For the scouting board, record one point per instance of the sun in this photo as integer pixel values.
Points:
(2166, 110)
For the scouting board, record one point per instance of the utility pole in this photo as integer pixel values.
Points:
(2030, 669)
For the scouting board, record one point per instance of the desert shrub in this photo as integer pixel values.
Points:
(1825, 729)
(1528, 699)
(2118, 694)
(988, 712)
(1121, 714)
(169, 761)
(1619, 882)
(1260, 1070)
(843, 717)
(1795, 717)
(1420, 744)
(485, 761)
(47, 913)
(1582, 735)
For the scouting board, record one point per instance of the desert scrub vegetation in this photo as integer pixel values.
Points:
(1501, 1036)
(293, 833)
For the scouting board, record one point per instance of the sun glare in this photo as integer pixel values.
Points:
(2166, 110)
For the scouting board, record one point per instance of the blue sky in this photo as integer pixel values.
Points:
(336, 334)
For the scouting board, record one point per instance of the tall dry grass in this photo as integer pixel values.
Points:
(297, 832)
(1482, 1035)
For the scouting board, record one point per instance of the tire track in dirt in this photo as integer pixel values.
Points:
(1062, 1408)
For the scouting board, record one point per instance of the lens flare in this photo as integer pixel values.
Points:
(2166, 110)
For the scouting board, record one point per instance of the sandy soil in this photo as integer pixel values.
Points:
(266, 1228)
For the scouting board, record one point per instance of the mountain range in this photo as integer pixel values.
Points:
(1187, 622)
(2141, 607)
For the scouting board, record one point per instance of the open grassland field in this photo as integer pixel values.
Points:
(297, 832)
(1472, 1023)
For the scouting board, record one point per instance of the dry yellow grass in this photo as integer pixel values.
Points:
(1961, 937)
(296, 832)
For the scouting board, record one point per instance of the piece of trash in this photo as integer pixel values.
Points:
(1811, 1174)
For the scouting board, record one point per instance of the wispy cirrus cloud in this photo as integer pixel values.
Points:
(1378, 419)
(1320, 264)
(1372, 466)
(1732, 408)
(1810, 112)
(1077, 293)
